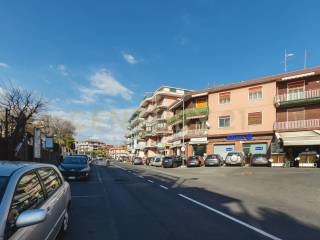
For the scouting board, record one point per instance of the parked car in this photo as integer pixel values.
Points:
(235, 158)
(148, 161)
(137, 161)
(213, 160)
(157, 162)
(34, 201)
(259, 160)
(151, 161)
(194, 161)
(75, 167)
(170, 162)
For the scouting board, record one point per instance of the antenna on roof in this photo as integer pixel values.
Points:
(305, 58)
(286, 55)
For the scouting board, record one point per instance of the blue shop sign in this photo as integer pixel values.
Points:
(239, 137)
(259, 148)
(229, 149)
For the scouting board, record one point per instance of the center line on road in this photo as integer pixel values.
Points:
(164, 187)
(231, 218)
(150, 181)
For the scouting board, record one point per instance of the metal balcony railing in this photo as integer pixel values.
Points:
(189, 112)
(310, 123)
(189, 133)
(298, 96)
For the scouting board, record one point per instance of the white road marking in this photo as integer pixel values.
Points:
(232, 218)
(150, 181)
(164, 187)
(141, 176)
(99, 176)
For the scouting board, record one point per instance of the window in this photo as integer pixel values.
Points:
(28, 195)
(50, 179)
(200, 124)
(254, 118)
(296, 114)
(224, 98)
(201, 103)
(296, 90)
(255, 93)
(224, 121)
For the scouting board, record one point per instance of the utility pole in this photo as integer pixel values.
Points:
(285, 60)
(183, 146)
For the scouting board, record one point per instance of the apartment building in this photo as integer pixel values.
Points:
(89, 146)
(190, 124)
(297, 126)
(241, 117)
(149, 132)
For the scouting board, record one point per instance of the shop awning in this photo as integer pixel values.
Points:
(301, 138)
(198, 143)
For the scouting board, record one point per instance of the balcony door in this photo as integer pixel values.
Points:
(295, 114)
(295, 90)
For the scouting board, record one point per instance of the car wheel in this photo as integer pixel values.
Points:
(65, 224)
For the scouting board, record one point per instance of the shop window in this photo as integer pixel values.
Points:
(254, 118)
(201, 103)
(224, 121)
(224, 98)
(255, 93)
(296, 90)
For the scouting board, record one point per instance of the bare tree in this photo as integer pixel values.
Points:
(23, 106)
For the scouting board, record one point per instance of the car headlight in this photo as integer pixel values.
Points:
(85, 169)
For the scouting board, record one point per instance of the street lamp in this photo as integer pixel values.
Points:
(183, 149)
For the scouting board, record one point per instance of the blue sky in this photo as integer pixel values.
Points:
(94, 60)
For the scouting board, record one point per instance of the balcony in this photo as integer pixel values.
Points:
(189, 113)
(151, 145)
(189, 133)
(310, 96)
(290, 125)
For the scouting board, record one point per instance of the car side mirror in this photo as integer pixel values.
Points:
(31, 217)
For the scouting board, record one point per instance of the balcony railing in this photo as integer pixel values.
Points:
(304, 95)
(310, 123)
(189, 112)
(189, 133)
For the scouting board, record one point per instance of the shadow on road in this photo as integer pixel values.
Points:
(269, 220)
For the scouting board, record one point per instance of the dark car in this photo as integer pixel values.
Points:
(75, 167)
(137, 161)
(213, 160)
(194, 161)
(148, 161)
(259, 160)
(170, 162)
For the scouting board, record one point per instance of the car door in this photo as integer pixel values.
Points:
(28, 195)
(56, 204)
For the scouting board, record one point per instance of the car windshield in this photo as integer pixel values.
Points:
(192, 158)
(233, 154)
(259, 156)
(167, 158)
(212, 157)
(3, 184)
(75, 160)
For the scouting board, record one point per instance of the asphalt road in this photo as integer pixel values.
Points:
(136, 202)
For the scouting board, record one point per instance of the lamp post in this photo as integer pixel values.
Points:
(183, 123)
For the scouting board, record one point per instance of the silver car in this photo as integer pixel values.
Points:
(34, 201)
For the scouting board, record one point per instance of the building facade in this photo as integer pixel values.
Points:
(269, 115)
(297, 103)
(89, 146)
(149, 132)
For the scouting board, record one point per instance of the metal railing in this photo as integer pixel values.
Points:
(310, 123)
(298, 95)
(189, 132)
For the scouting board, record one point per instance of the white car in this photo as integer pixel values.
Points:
(157, 162)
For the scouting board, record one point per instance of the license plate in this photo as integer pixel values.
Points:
(192, 163)
(71, 177)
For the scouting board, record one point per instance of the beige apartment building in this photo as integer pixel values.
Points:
(149, 132)
(273, 114)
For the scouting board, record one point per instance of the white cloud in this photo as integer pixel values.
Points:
(2, 92)
(61, 69)
(108, 126)
(4, 65)
(102, 82)
(129, 58)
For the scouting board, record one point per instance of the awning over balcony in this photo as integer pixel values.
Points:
(301, 138)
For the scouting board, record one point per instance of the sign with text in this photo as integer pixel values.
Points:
(240, 137)
(37, 143)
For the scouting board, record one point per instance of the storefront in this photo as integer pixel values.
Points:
(176, 148)
(247, 143)
(199, 146)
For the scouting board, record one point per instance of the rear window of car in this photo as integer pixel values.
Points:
(259, 156)
(75, 160)
(167, 158)
(234, 154)
(3, 185)
(192, 158)
(212, 157)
